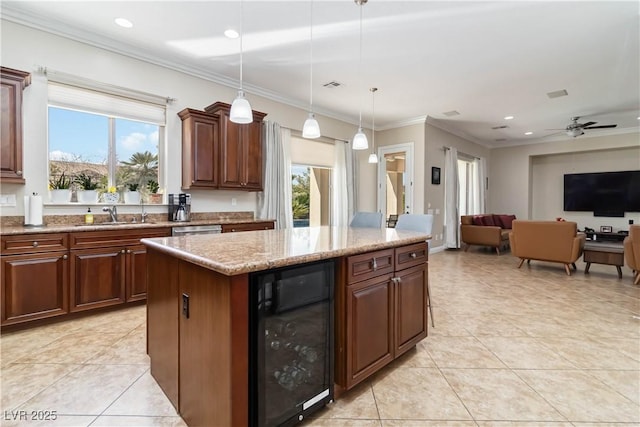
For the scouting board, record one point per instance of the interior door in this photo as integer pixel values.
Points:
(395, 179)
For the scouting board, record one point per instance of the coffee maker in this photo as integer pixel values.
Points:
(180, 207)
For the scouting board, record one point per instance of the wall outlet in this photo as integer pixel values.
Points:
(7, 199)
(234, 201)
(429, 211)
(437, 211)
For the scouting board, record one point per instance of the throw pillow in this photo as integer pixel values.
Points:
(477, 220)
(488, 220)
(496, 221)
(507, 221)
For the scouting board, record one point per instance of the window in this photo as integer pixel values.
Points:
(113, 140)
(311, 189)
(311, 195)
(468, 187)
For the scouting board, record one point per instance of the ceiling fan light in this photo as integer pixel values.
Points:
(241, 110)
(360, 141)
(575, 132)
(311, 128)
(373, 158)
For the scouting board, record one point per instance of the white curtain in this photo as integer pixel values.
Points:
(275, 201)
(343, 194)
(479, 192)
(451, 194)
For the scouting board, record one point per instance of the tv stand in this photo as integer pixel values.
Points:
(607, 237)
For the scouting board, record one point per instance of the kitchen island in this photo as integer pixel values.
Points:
(199, 346)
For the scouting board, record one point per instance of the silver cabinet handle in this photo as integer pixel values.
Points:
(375, 265)
(128, 251)
(19, 173)
(122, 251)
(35, 244)
(65, 256)
(413, 255)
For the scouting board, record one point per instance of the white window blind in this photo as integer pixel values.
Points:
(97, 102)
(312, 153)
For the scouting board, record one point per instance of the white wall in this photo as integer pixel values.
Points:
(513, 183)
(24, 48)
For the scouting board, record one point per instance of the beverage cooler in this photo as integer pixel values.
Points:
(291, 343)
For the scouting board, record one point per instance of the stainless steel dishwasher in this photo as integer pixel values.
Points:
(190, 230)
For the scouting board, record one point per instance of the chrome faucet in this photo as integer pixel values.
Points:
(113, 212)
(143, 214)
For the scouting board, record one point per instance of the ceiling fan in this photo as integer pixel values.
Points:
(576, 129)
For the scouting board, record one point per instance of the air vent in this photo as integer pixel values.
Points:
(451, 113)
(332, 84)
(500, 127)
(557, 93)
(501, 139)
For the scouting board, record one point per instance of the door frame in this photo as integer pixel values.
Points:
(407, 149)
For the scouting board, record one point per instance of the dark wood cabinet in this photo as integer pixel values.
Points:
(136, 277)
(240, 150)
(34, 286)
(97, 278)
(383, 310)
(12, 84)
(200, 149)
(249, 226)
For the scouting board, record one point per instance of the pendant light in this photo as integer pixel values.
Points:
(360, 139)
(240, 108)
(373, 157)
(311, 128)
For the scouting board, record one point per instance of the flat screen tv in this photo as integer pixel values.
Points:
(604, 193)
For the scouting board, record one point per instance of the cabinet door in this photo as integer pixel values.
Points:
(231, 153)
(410, 307)
(12, 84)
(97, 278)
(249, 226)
(369, 327)
(34, 286)
(136, 287)
(200, 149)
(252, 157)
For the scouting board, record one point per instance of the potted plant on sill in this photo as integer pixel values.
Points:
(154, 196)
(133, 195)
(59, 189)
(87, 192)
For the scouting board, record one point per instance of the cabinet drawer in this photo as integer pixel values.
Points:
(104, 239)
(34, 243)
(249, 226)
(372, 264)
(410, 255)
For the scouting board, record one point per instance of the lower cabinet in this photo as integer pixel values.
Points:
(34, 286)
(382, 308)
(248, 226)
(49, 275)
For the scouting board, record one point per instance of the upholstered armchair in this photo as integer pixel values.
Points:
(632, 251)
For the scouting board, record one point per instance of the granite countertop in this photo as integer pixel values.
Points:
(238, 253)
(7, 230)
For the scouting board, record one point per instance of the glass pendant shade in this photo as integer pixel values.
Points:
(373, 158)
(311, 128)
(241, 110)
(360, 141)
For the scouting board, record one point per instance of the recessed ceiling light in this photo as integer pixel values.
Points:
(528, 133)
(508, 118)
(123, 22)
(231, 33)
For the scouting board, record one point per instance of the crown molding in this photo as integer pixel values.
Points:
(402, 123)
(440, 124)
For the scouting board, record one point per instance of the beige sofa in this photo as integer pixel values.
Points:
(552, 241)
(495, 235)
(632, 251)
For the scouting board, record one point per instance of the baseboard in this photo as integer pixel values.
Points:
(433, 250)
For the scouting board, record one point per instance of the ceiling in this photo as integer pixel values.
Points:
(485, 60)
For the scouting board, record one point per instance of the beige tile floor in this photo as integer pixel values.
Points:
(529, 347)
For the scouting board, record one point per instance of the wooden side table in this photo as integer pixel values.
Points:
(609, 253)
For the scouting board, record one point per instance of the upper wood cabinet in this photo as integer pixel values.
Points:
(200, 149)
(240, 150)
(13, 83)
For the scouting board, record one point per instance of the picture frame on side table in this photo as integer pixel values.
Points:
(435, 175)
(605, 229)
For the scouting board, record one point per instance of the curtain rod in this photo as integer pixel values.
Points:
(445, 148)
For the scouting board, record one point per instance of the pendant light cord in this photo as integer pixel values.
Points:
(360, 67)
(373, 118)
(241, 37)
(311, 59)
